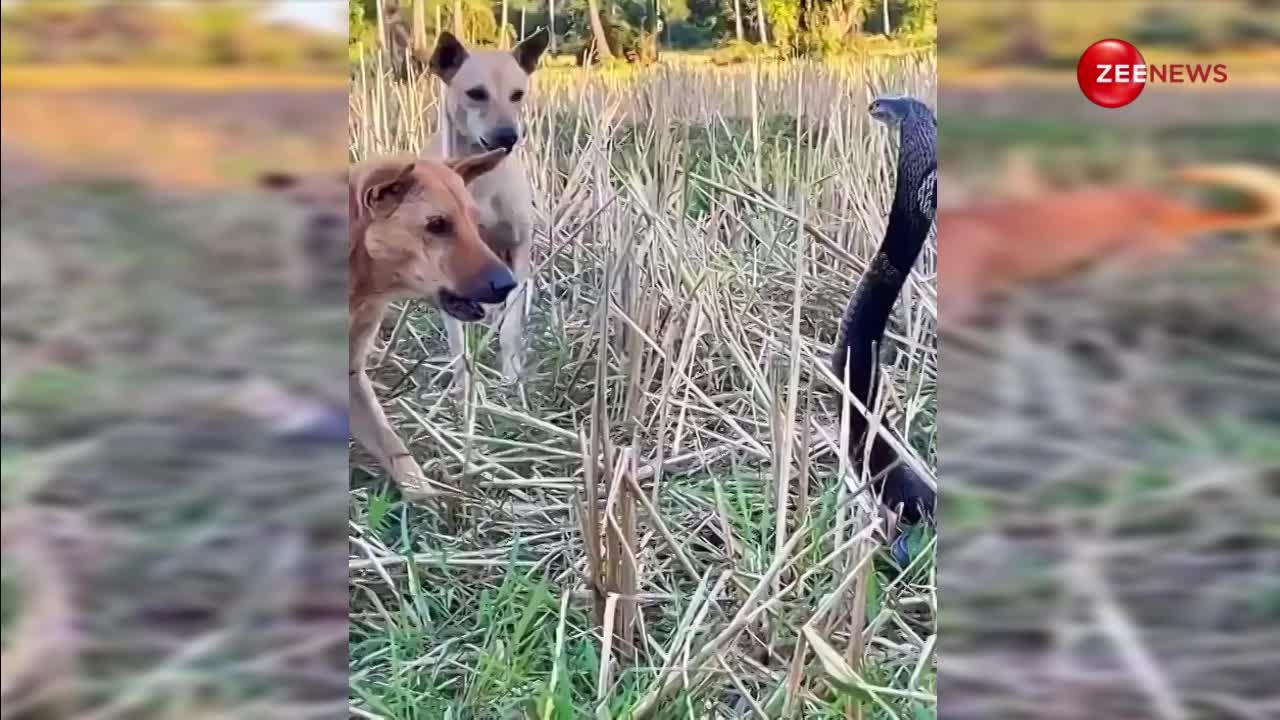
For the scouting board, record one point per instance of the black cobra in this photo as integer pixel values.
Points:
(911, 217)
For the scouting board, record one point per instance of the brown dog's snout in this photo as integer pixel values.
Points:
(491, 286)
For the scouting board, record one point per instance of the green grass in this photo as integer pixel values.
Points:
(11, 599)
(498, 641)
(505, 636)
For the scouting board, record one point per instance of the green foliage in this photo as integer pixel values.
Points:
(921, 18)
(1261, 31)
(1167, 26)
(735, 52)
(358, 29)
(186, 34)
(635, 29)
(784, 21)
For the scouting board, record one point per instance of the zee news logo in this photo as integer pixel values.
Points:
(1112, 73)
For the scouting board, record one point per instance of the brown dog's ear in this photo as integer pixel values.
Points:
(277, 181)
(447, 57)
(530, 50)
(384, 188)
(473, 166)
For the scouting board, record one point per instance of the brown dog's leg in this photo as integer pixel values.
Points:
(369, 424)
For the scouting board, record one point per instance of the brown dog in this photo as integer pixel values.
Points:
(989, 248)
(413, 234)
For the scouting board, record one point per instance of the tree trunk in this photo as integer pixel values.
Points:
(522, 10)
(502, 33)
(551, 21)
(885, 5)
(383, 45)
(764, 32)
(459, 26)
(655, 31)
(597, 30)
(737, 18)
(420, 25)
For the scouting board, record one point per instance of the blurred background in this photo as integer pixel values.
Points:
(174, 436)
(1109, 425)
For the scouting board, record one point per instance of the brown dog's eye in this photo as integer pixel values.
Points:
(478, 94)
(438, 225)
(517, 96)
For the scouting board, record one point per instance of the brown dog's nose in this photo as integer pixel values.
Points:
(492, 286)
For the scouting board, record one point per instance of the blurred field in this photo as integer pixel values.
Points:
(170, 516)
(144, 478)
(178, 138)
(227, 79)
(1013, 37)
(1108, 443)
(699, 232)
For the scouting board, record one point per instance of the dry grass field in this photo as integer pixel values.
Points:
(670, 466)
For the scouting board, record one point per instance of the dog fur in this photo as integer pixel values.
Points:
(484, 93)
(991, 248)
(413, 233)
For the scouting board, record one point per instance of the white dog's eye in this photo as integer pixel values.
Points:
(517, 96)
(478, 94)
(438, 225)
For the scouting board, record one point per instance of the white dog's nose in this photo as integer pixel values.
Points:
(505, 138)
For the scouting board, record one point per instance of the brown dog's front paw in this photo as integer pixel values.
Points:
(412, 482)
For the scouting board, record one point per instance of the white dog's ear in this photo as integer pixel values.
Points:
(447, 57)
(473, 166)
(530, 50)
(382, 190)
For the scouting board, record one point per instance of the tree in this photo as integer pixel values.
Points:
(826, 25)
(551, 24)
(420, 25)
(502, 26)
(598, 31)
(921, 17)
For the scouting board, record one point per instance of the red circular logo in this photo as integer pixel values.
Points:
(1111, 73)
